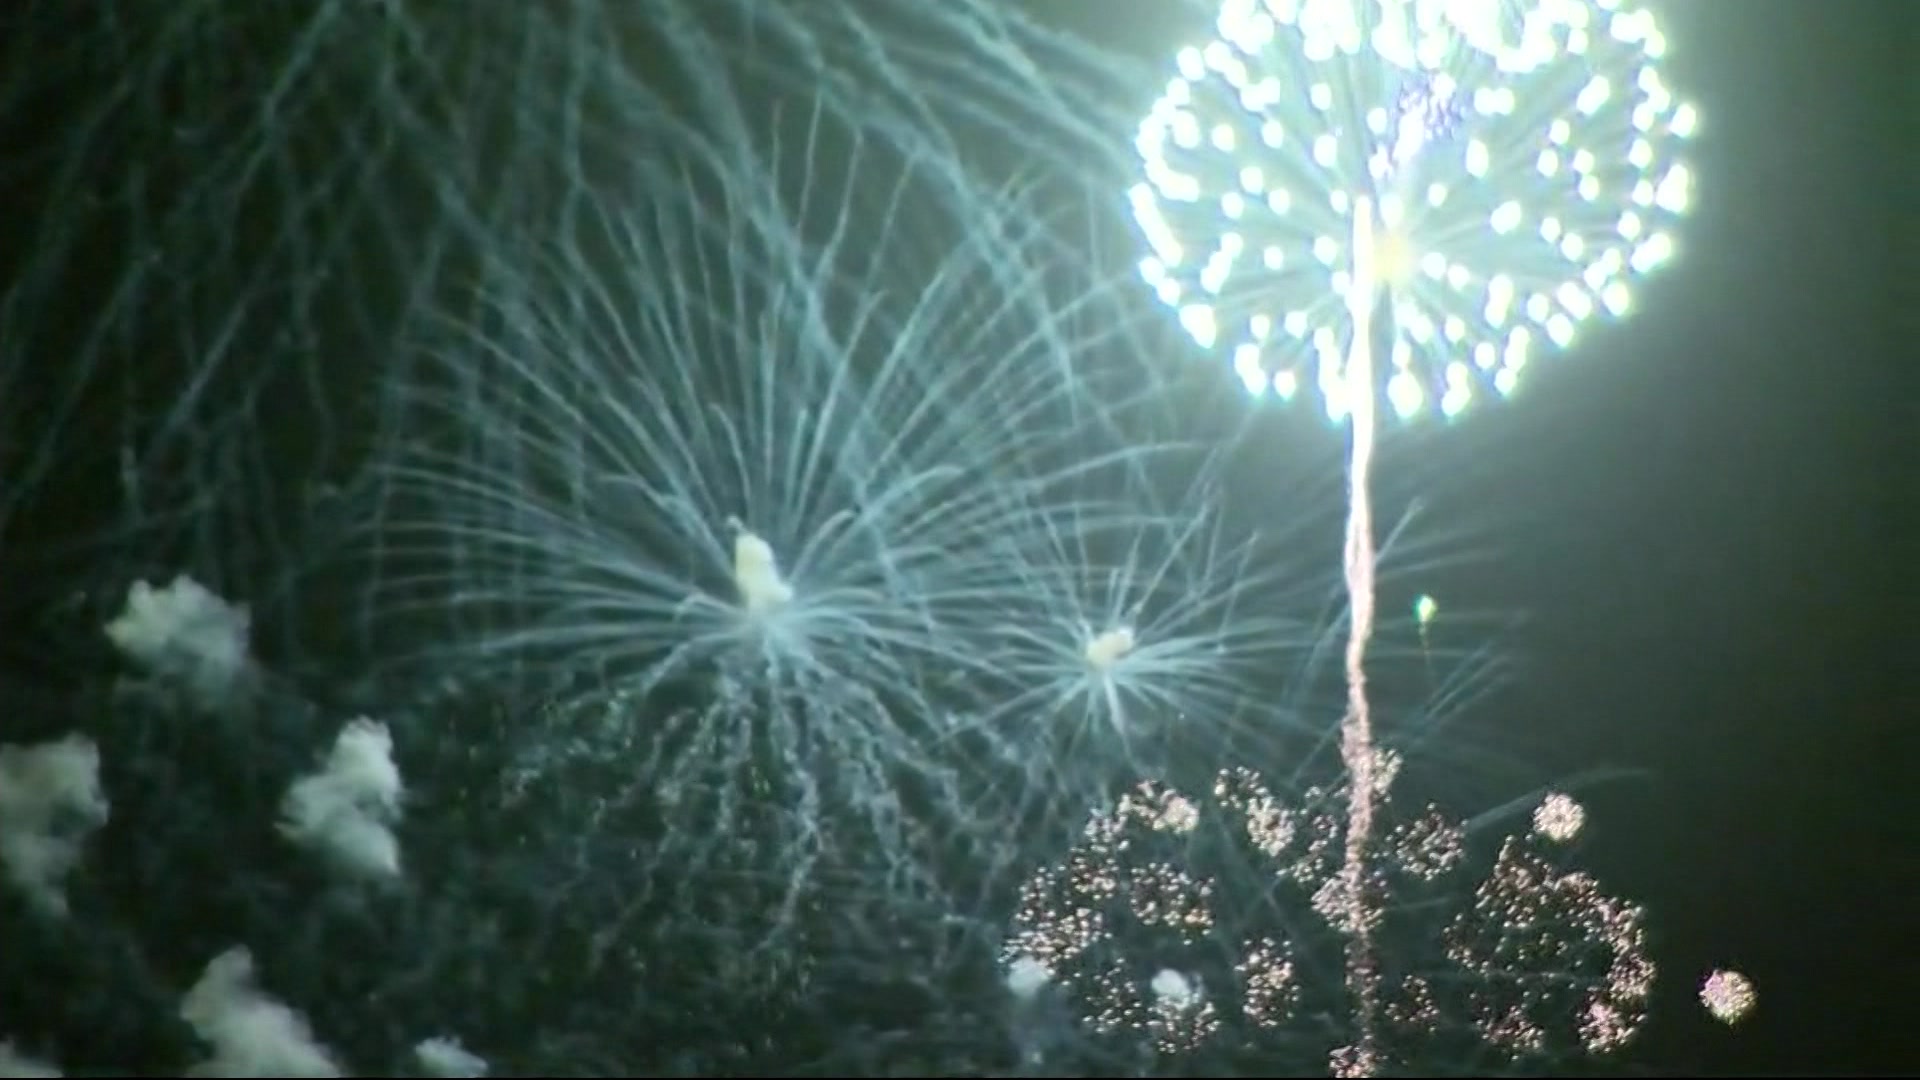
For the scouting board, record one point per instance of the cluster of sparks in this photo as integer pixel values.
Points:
(1538, 952)
(1098, 886)
(1529, 916)
(1728, 995)
(1518, 171)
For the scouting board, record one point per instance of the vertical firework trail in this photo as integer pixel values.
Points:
(1356, 731)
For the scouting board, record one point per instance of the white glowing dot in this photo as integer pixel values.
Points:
(1425, 608)
(1026, 977)
(1106, 649)
(1728, 995)
(756, 574)
(1174, 989)
(1559, 818)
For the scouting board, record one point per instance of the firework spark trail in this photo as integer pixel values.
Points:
(1356, 731)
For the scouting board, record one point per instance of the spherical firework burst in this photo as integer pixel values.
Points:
(1728, 995)
(1481, 175)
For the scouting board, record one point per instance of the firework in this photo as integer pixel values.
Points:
(1180, 920)
(1728, 995)
(1482, 177)
(1475, 179)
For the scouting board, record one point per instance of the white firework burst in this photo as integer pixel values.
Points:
(747, 491)
(1142, 624)
(1480, 175)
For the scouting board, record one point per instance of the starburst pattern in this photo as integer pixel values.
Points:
(1498, 176)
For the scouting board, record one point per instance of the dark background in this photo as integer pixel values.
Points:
(1701, 520)
(1714, 570)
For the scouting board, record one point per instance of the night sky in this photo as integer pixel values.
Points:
(1711, 558)
(1686, 541)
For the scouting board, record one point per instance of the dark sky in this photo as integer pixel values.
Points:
(1713, 563)
(1698, 526)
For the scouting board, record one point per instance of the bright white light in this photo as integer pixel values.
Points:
(1027, 977)
(1528, 152)
(1175, 990)
(782, 536)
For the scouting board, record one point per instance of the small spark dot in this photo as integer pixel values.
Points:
(1728, 995)
(1559, 818)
